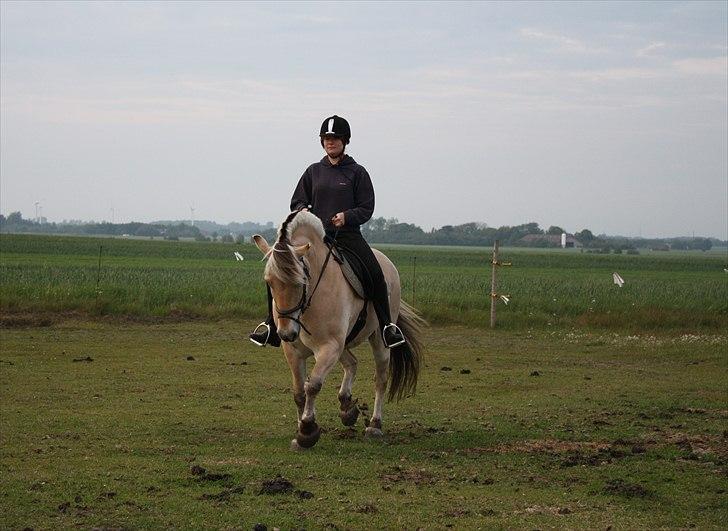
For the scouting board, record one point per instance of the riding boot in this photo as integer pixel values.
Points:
(268, 334)
(391, 334)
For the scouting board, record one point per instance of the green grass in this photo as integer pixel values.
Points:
(616, 430)
(549, 288)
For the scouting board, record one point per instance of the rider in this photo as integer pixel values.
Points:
(339, 191)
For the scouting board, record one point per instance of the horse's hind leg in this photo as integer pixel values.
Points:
(381, 361)
(349, 411)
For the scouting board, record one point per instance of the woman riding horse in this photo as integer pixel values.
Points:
(340, 192)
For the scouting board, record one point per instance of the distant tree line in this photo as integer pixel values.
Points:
(382, 230)
(377, 230)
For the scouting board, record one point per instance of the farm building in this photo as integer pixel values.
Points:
(551, 240)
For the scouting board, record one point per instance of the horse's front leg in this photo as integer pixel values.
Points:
(308, 431)
(297, 364)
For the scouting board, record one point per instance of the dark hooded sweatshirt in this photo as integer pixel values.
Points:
(327, 190)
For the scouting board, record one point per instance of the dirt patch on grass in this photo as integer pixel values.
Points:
(625, 489)
(25, 321)
(224, 495)
(277, 485)
(544, 509)
(398, 474)
(699, 446)
(544, 446)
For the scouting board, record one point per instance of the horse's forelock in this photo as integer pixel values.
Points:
(284, 265)
(283, 262)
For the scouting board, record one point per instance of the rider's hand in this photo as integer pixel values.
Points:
(304, 209)
(338, 220)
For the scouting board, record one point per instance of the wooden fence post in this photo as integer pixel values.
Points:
(414, 279)
(493, 283)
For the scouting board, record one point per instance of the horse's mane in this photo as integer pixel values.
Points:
(282, 261)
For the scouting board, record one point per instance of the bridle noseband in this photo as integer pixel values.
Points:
(302, 303)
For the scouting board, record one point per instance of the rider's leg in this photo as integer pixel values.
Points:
(265, 333)
(378, 286)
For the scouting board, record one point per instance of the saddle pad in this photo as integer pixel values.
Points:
(353, 270)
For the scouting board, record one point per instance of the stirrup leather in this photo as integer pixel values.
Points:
(398, 343)
(267, 335)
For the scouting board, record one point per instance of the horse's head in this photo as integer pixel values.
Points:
(287, 271)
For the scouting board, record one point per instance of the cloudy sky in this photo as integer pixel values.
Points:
(608, 116)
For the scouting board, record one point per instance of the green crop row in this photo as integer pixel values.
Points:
(141, 278)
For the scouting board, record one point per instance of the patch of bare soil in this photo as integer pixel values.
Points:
(622, 488)
(398, 474)
(224, 495)
(545, 446)
(544, 509)
(700, 446)
(25, 321)
(278, 485)
(203, 475)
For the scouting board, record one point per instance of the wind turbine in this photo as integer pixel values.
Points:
(192, 215)
(37, 219)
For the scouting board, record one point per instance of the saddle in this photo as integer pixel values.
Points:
(358, 278)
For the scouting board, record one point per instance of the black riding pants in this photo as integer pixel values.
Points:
(374, 286)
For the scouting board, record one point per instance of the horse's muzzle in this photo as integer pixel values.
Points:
(289, 333)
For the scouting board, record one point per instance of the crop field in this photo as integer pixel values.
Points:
(130, 397)
(156, 279)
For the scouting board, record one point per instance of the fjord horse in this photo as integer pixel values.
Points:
(315, 309)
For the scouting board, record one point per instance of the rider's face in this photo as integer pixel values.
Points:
(333, 146)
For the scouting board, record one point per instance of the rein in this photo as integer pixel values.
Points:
(304, 304)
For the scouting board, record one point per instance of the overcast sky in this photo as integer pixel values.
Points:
(607, 116)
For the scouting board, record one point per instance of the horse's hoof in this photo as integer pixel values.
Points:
(373, 433)
(308, 434)
(349, 417)
(296, 447)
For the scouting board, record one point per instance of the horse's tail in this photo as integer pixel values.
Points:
(406, 359)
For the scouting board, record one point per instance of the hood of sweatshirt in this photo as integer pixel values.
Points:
(346, 161)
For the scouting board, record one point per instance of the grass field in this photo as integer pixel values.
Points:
(591, 406)
(102, 424)
(155, 279)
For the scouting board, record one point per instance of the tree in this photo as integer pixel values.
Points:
(15, 218)
(554, 229)
(585, 236)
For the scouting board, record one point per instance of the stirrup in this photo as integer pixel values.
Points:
(267, 335)
(396, 328)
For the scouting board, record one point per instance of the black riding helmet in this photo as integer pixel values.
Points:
(335, 126)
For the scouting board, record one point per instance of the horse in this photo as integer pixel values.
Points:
(315, 309)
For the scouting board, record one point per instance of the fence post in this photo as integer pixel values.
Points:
(98, 275)
(493, 283)
(414, 279)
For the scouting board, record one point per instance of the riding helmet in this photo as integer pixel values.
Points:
(336, 126)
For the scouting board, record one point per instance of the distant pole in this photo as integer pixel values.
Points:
(98, 274)
(493, 283)
(414, 278)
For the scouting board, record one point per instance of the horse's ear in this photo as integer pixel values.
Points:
(261, 243)
(302, 250)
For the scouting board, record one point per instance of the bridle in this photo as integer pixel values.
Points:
(304, 303)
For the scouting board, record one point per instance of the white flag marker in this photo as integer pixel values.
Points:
(619, 281)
